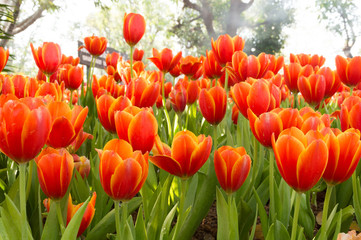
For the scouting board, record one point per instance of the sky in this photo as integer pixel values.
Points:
(307, 35)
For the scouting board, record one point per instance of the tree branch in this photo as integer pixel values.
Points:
(21, 26)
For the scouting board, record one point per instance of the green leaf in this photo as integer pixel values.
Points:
(140, 231)
(222, 216)
(79, 189)
(306, 216)
(104, 226)
(51, 229)
(277, 231)
(254, 225)
(262, 214)
(72, 229)
(167, 223)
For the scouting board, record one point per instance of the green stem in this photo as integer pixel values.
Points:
(351, 91)
(181, 216)
(326, 204)
(124, 219)
(215, 137)
(39, 212)
(226, 82)
(48, 78)
(180, 122)
(295, 100)
(71, 99)
(117, 220)
(90, 76)
(60, 216)
(22, 193)
(187, 112)
(30, 176)
(295, 216)
(131, 61)
(271, 186)
(169, 124)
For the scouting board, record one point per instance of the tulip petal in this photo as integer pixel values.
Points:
(168, 164)
(61, 134)
(200, 156)
(121, 147)
(108, 163)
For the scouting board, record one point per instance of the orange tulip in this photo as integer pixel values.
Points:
(24, 128)
(301, 160)
(15, 85)
(69, 60)
(106, 84)
(291, 73)
(164, 60)
(95, 45)
(192, 89)
(264, 126)
(138, 54)
(178, 98)
(188, 154)
(312, 88)
(211, 67)
(142, 92)
(332, 80)
(71, 76)
(66, 123)
(224, 47)
(305, 59)
(122, 172)
(50, 90)
(112, 59)
(275, 64)
(213, 104)
(350, 113)
(79, 140)
(55, 170)
(190, 65)
(133, 28)
(239, 93)
(232, 166)
(106, 108)
(290, 117)
(82, 165)
(4, 56)
(175, 72)
(349, 70)
(250, 66)
(344, 155)
(47, 57)
(138, 127)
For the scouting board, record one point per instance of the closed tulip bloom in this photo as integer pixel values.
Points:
(47, 57)
(192, 89)
(15, 85)
(291, 73)
(55, 170)
(164, 60)
(71, 76)
(66, 123)
(122, 172)
(344, 155)
(138, 54)
(350, 113)
(95, 45)
(275, 64)
(225, 46)
(24, 128)
(50, 90)
(239, 93)
(143, 93)
(312, 88)
(290, 117)
(178, 98)
(133, 28)
(232, 166)
(332, 80)
(250, 66)
(4, 56)
(69, 60)
(138, 127)
(188, 154)
(112, 59)
(264, 126)
(213, 104)
(349, 70)
(88, 214)
(106, 108)
(300, 162)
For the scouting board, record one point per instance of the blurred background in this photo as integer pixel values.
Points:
(281, 27)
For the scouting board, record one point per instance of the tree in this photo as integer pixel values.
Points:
(260, 21)
(341, 18)
(16, 21)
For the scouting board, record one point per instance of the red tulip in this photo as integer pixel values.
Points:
(349, 70)
(122, 172)
(275, 64)
(138, 127)
(106, 84)
(268, 124)
(213, 104)
(4, 56)
(332, 80)
(232, 166)
(305, 59)
(79, 140)
(112, 59)
(69, 60)
(211, 67)
(133, 28)
(24, 128)
(344, 155)
(71, 76)
(190, 65)
(225, 46)
(291, 73)
(164, 60)
(47, 57)
(312, 88)
(142, 92)
(55, 170)
(290, 117)
(188, 154)
(250, 66)
(350, 113)
(192, 89)
(138, 54)
(178, 98)
(239, 93)
(95, 45)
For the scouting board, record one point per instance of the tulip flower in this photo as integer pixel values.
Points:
(232, 166)
(301, 163)
(71, 76)
(192, 89)
(224, 47)
(96, 46)
(344, 155)
(312, 88)
(332, 80)
(239, 93)
(79, 140)
(250, 66)
(290, 117)
(51, 90)
(178, 98)
(55, 170)
(133, 28)
(47, 57)
(82, 165)
(350, 113)
(291, 74)
(69, 60)
(142, 92)
(213, 104)
(190, 65)
(106, 85)
(106, 108)
(15, 85)
(211, 67)
(348, 70)
(138, 127)
(164, 60)
(4, 56)
(25, 126)
(188, 154)
(66, 123)
(275, 64)
(264, 126)
(112, 59)
(122, 172)
(305, 59)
